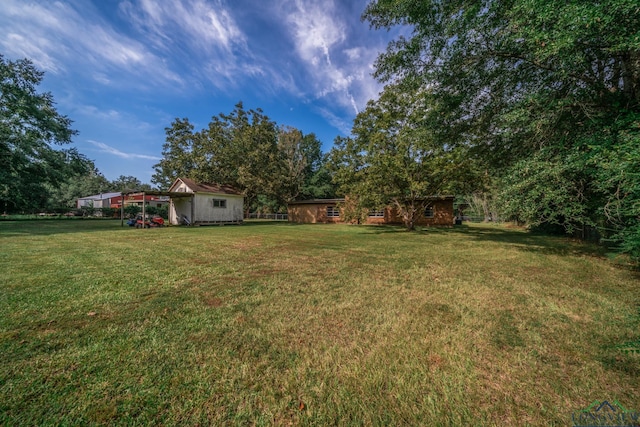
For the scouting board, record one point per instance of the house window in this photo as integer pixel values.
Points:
(333, 212)
(377, 213)
(428, 212)
(219, 203)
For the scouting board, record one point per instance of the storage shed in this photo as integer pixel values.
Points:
(208, 204)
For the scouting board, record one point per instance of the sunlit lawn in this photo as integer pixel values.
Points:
(273, 323)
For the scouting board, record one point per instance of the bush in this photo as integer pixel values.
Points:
(131, 210)
(108, 212)
(88, 210)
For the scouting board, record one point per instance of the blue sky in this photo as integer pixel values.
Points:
(122, 70)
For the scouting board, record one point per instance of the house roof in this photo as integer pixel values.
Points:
(101, 196)
(328, 201)
(316, 201)
(207, 187)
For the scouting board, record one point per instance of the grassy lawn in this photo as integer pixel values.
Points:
(274, 323)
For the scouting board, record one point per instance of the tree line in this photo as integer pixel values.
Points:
(533, 104)
(271, 164)
(38, 171)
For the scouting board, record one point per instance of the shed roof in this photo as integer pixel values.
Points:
(207, 187)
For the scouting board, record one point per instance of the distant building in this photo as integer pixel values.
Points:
(439, 212)
(97, 201)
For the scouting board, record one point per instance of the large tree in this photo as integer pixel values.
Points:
(270, 164)
(239, 149)
(129, 183)
(395, 156)
(89, 182)
(32, 134)
(303, 173)
(539, 89)
(176, 154)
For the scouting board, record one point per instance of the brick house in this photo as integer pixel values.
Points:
(439, 212)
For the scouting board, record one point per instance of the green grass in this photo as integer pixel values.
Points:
(274, 323)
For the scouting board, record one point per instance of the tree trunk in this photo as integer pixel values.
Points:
(409, 212)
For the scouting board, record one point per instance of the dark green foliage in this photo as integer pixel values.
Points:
(128, 183)
(538, 191)
(618, 181)
(131, 210)
(162, 211)
(75, 186)
(88, 210)
(271, 165)
(30, 130)
(176, 154)
(545, 94)
(318, 185)
(304, 174)
(109, 212)
(396, 157)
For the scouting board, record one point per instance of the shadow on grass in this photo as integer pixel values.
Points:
(518, 239)
(47, 227)
(527, 241)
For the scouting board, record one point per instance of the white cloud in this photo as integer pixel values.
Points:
(126, 122)
(104, 148)
(353, 53)
(102, 78)
(315, 30)
(60, 38)
(34, 48)
(203, 33)
(339, 73)
(338, 122)
(204, 24)
(109, 115)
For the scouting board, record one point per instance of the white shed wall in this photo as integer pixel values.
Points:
(203, 211)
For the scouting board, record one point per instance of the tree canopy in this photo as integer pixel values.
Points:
(32, 136)
(270, 164)
(545, 94)
(395, 156)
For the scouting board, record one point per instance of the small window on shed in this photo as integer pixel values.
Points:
(333, 212)
(428, 212)
(219, 203)
(379, 213)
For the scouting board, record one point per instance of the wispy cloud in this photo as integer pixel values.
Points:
(204, 32)
(61, 38)
(36, 48)
(207, 25)
(339, 72)
(338, 122)
(104, 148)
(123, 69)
